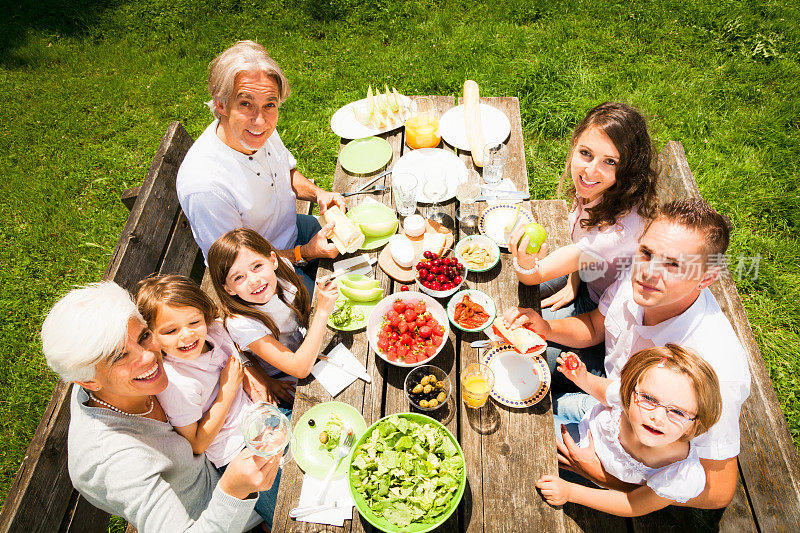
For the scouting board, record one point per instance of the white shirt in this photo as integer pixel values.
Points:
(192, 389)
(703, 328)
(679, 481)
(221, 189)
(245, 330)
(612, 246)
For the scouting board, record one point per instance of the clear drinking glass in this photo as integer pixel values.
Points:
(466, 193)
(404, 188)
(267, 432)
(477, 381)
(435, 189)
(494, 162)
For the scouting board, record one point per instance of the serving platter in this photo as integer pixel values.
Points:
(421, 162)
(496, 126)
(345, 125)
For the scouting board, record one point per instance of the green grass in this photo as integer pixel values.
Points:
(89, 88)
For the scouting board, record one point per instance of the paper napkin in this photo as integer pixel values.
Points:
(497, 189)
(337, 491)
(334, 379)
(345, 263)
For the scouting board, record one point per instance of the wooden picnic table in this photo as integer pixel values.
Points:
(506, 450)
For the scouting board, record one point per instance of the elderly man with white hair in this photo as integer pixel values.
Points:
(239, 173)
(123, 455)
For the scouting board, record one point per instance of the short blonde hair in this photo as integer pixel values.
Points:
(683, 361)
(175, 291)
(88, 325)
(244, 56)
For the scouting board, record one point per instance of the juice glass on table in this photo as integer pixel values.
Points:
(477, 381)
(422, 129)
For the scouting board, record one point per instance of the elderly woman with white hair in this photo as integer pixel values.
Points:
(239, 173)
(124, 457)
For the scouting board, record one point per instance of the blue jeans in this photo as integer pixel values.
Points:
(593, 357)
(268, 499)
(307, 227)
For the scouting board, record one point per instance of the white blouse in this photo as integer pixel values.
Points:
(613, 247)
(680, 481)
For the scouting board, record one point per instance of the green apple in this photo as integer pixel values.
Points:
(536, 236)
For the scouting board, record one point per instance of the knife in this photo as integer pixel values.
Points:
(360, 375)
(503, 195)
(373, 180)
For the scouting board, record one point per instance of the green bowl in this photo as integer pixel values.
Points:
(380, 522)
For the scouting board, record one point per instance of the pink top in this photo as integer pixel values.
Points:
(613, 247)
(193, 387)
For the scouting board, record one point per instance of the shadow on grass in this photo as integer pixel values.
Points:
(59, 17)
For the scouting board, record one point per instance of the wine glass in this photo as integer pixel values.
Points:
(467, 192)
(267, 431)
(435, 189)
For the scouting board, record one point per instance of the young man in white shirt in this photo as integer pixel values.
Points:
(664, 299)
(239, 173)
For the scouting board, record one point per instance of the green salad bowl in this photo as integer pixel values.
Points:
(419, 527)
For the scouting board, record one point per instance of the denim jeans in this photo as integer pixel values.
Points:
(268, 499)
(307, 227)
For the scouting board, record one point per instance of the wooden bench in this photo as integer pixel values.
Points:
(157, 238)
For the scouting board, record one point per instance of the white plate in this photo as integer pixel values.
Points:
(418, 162)
(493, 220)
(496, 126)
(519, 380)
(345, 125)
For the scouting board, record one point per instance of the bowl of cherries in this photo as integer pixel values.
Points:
(438, 275)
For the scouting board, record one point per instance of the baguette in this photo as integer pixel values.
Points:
(523, 339)
(472, 121)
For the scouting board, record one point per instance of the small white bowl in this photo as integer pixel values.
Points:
(442, 294)
(480, 298)
(494, 250)
(381, 308)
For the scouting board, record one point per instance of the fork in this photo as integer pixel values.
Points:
(376, 188)
(344, 450)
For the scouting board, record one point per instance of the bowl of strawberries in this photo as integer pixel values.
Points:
(440, 275)
(407, 328)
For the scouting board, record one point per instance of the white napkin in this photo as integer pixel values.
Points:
(334, 379)
(496, 188)
(338, 490)
(346, 263)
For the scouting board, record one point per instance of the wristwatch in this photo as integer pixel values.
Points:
(298, 258)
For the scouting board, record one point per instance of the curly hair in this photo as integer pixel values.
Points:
(636, 173)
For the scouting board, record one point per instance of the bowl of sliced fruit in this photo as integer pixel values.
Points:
(407, 328)
(440, 275)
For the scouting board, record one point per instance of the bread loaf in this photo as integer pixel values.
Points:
(472, 121)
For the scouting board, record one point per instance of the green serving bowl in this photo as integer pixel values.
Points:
(380, 522)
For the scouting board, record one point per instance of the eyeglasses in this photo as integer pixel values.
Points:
(647, 402)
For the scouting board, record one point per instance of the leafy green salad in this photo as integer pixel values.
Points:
(407, 472)
(345, 313)
(332, 432)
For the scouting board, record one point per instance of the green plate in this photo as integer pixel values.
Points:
(380, 522)
(365, 156)
(367, 210)
(312, 456)
(365, 308)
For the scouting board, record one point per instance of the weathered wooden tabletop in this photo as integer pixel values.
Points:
(506, 450)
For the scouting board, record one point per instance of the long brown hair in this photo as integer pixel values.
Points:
(683, 361)
(221, 257)
(174, 291)
(635, 186)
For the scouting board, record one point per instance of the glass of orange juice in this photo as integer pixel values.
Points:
(422, 129)
(477, 380)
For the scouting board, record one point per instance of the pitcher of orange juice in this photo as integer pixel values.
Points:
(422, 129)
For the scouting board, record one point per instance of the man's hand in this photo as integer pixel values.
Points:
(319, 246)
(325, 199)
(555, 490)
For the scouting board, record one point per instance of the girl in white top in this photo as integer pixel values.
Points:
(613, 194)
(265, 304)
(667, 396)
(204, 400)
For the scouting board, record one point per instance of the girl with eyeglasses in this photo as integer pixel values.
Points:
(642, 430)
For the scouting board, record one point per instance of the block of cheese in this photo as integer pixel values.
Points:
(402, 250)
(346, 236)
(433, 242)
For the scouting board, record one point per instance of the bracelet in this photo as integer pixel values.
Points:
(525, 271)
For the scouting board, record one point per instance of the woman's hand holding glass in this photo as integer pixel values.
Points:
(249, 473)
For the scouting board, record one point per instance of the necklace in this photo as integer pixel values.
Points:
(149, 398)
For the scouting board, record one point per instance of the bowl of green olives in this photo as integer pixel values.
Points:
(427, 387)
